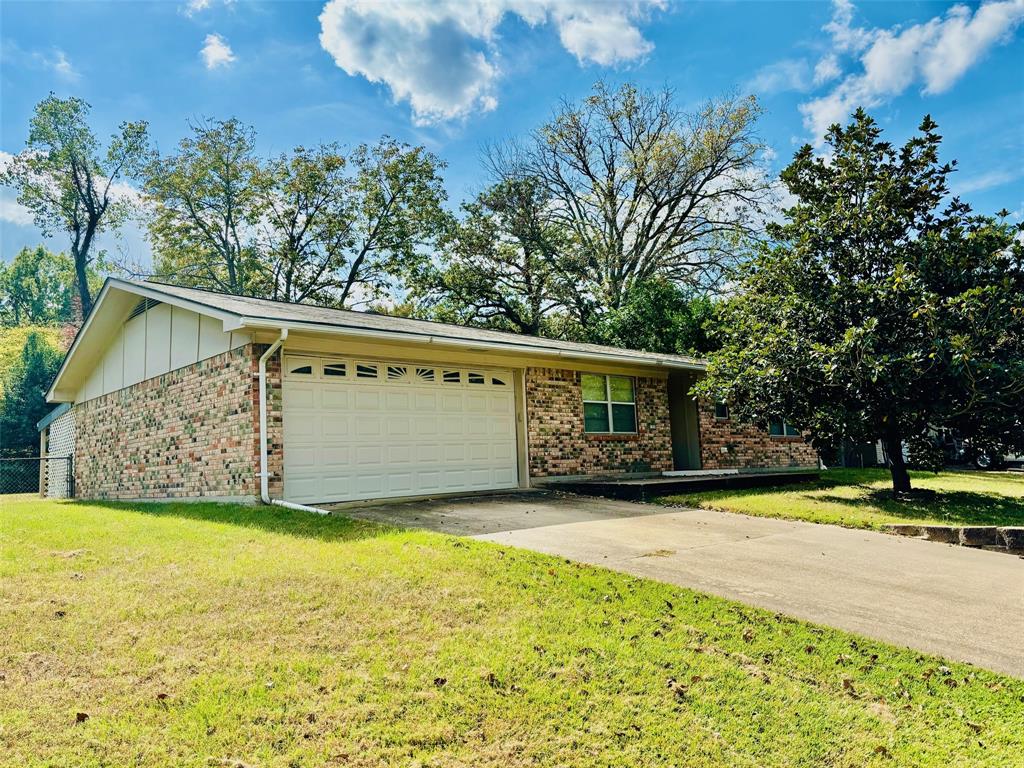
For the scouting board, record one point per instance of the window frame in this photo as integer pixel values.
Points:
(787, 430)
(608, 403)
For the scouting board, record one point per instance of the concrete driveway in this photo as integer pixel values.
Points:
(963, 604)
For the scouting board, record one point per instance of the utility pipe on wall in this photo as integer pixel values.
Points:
(264, 470)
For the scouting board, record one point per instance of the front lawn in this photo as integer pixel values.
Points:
(862, 498)
(206, 635)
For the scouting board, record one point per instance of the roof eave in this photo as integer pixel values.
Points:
(448, 341)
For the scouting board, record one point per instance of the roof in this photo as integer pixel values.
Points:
(287, 312)
(52, 416)
(238, 312)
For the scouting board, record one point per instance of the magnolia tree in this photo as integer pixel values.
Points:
(882, 309)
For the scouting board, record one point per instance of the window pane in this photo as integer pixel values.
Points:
(303, 370)
(775, 428)
(791, 430)
(721, 411)
(623, 418)
(366, 370)
(593, 387)
(334, 369)
(622, 389)
(451, 377)
(475, 378)
(595, 417)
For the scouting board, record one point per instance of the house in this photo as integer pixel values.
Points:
(166, 385)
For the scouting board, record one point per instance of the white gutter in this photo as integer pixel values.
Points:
(656, 362)
(264, 473)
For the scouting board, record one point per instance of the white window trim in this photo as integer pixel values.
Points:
(608, 402)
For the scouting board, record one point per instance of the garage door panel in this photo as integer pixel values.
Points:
(334, 398)
(403, 435)
(301, 427)
(297, 396)
(368, 426)
(334, 425)
(335, 456)
(367, 400)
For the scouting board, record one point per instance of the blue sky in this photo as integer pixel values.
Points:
(455, 75)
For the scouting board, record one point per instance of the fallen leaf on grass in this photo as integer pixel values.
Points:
(81, 717)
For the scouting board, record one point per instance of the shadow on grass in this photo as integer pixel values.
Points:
(270, 519)
(954, 507)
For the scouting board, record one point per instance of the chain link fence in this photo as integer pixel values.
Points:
(53, 475)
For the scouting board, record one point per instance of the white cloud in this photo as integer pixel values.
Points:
(216, 52)
(846, 38)
(60, 64)
(989, 180)
(192, 7)
(935, 54)
(442, 57)
(827, 69)
(785, 75)
(11, 211)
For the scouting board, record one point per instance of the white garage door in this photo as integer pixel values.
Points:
(367, 429)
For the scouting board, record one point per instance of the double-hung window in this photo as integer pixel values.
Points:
(782, 429)
(608, 404)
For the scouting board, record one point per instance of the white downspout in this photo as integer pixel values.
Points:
(264, 473)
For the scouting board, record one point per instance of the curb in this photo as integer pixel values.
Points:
(998, 538)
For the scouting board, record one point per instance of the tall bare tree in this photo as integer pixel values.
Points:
(71, 184)
(647, 190)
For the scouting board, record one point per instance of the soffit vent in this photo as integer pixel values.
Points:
(143, 306)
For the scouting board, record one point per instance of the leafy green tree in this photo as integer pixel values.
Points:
(36, 287)
(502, 266)
(206, 209)
(658, 316)
(393, 215)
(645, 189)
(313, 225)
(71, 184)
(879, 311)
(22, 401)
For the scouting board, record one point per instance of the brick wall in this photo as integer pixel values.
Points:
(559, 446)
(189, 432)
(728, 443)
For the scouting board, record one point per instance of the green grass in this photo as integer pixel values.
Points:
(862, 498)
(198, 635)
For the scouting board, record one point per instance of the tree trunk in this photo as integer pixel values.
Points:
(897, 466)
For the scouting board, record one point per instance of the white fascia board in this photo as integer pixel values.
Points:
(50, 393)
(447, 341)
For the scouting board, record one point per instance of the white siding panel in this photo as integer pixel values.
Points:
(113, 364)
(158, 340)
(94, 385)
(184, 338)
(134, 350)
(239, 339)
(212, 339)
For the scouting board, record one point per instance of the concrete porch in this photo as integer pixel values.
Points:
(643, 488)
